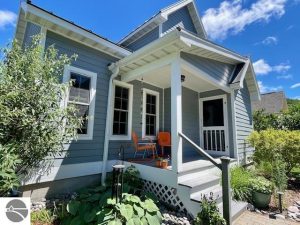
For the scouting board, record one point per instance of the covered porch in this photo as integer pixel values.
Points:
(181, 85)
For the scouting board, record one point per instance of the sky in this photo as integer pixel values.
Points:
(268, 31)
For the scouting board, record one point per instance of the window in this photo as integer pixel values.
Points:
(82, 96)
(122, 111)
(150, 113)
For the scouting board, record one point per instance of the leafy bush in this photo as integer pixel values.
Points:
(209, 214)
(287, 120)
(95, 206)
(31, 93)
(9, 164)
(241, 183)
(270, 144)
(261, 184)
(279, 177)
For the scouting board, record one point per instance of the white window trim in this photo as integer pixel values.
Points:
(67, 73)
(129, 126)
(155, 93)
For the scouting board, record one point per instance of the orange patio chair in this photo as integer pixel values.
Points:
(143, 147)
(164, 140)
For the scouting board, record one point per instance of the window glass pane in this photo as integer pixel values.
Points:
(150, 128)
(213, 113)
(83, 112)
(80, 91)
(120, 124)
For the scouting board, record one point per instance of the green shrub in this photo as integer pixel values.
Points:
(209, 214)
(94, 206)
(241, 183)
(261, 184)
(31, 114)
(279, 177)
(269, 144)
(9, 163)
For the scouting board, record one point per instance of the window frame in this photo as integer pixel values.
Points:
(93, 76)
(130, 104)
(155, 93)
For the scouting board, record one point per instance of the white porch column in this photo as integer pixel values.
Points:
(176, 116)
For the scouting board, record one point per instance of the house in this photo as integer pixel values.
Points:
(273, 102)
(164, 76)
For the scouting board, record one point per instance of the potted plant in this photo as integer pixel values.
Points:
(158, 162)
(261, 192)
(164, 163)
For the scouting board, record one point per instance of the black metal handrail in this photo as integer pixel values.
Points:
(201, 151)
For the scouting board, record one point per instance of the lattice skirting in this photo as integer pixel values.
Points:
(165, 194)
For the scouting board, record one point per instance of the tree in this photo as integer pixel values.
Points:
(32, 117)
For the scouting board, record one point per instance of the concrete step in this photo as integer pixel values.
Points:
(201, 183)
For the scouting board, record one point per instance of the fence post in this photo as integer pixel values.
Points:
(226, 189)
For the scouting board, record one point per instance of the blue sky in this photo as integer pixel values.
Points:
(266, 30)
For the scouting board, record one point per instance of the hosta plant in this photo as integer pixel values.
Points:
(95, 206)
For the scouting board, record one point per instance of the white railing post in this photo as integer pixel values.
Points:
(176, 115)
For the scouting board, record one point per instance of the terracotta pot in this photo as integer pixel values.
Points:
(158, 163)
(164, 164)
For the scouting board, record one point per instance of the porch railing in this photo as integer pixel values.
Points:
(224, 167)
(214, 139)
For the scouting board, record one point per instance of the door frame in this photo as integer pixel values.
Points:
(225, 115)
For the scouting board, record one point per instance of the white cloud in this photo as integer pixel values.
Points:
(297, 85)
(285, 77)
(264, 88)
(282, 68)
(231, 18)
(296, 97)
(7, 18)
(261, 67)
(270, 41)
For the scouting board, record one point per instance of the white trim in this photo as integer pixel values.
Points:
(66, 78)
(61, 172)
(160, 29)
(129, 125)
(155, 93)
(43, 37)
(225, 115)
(234, 133)
(163, 110)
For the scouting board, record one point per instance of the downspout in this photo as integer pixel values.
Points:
(114, 68)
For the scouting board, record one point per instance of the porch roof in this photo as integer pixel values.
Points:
(174, 42)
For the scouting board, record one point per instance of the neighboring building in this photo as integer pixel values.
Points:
(136, 85)
(273, 102)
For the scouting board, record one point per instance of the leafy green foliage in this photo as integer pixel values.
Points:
(95, 206)
(292, 102)
(209, 214)
(9, 163)
(241, 183)
(271, 144)
(261, 185)
(287, 120)
(32, 118)
(279, 177)
(42, 216)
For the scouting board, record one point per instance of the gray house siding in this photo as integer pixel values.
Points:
(144, 40)
(180, 18)
(31, 30)
(218, 70)
(114, 145)
(92, 60)
(244, 123)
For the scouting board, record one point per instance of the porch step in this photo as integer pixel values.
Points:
(237, 208)
(200, 183)
(216, 191)
(196, 166)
